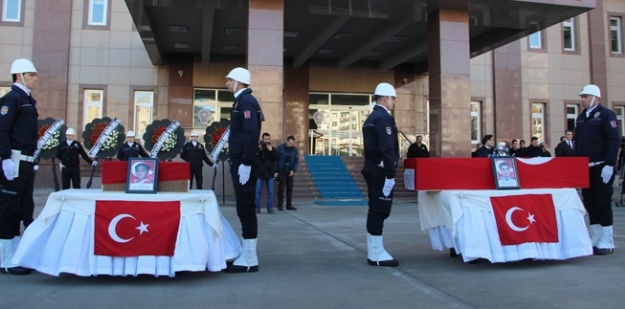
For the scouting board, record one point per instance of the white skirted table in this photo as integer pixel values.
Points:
(62, 238)
(467, 221)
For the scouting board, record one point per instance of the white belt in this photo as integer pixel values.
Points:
(27, 158)
(591, 164)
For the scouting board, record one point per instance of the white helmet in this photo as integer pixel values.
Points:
(194, 133)
(592, 90)
(385, 90)
(70, 131)
(240, 75)
(130, 134)
(22, 65)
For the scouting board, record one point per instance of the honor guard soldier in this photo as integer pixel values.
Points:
(597, 137)
(18, 142)
(245, 124)
(68, 153)
(381, 155)
(131, 149)
(195, 153)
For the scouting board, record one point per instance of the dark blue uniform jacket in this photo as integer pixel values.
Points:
(380, 137)
(18, 123)
(597, 136)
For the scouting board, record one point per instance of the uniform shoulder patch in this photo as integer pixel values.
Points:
(388, 130)
(247, 114)
(613, 124)
(4, 110)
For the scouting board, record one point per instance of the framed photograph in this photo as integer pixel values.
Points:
(505, 173)
(142, 175)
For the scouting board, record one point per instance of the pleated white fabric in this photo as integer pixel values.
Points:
(61, 239)
(464, 220)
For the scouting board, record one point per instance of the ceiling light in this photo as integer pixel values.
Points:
(397, 39)
(343, 35)
(230, 47)
(235, 31)
(178, 28)
(291, 34)
(325, 51)
(182, 45)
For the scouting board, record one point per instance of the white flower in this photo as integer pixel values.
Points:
(52, 142)
(111, 140)
(170, 142)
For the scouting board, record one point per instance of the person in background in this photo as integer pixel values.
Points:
(68, 153)
(597, 137)
(566, 147)
(195, 153)
(544, 148)
(487, 149)
(514, 146)
(131, 149)
(381, 155)
(418, 149)
(268, 157)
(531, 151)
(286, 166)
(18, 142)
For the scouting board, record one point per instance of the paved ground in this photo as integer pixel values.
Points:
(315, 257)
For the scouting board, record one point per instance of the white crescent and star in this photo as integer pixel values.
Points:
(513, 226)
(113, 226)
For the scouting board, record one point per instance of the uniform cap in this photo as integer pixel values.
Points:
(592, 90)
(70, 131)
(241, 75)
(194, 133)
(385, 90)
(130, 134)
(22, 66)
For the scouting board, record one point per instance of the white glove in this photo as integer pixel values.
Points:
(95, 163)
(388, 186)
(606, 173)
(215, 165)
(36, 168)
(244, 173)
(9, 169)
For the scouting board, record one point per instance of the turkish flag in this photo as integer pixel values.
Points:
(132, 228)
(525, 218)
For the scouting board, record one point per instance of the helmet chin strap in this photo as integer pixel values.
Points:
(592, 102)
(236, 85)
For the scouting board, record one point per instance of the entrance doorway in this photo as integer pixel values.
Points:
(337, 130)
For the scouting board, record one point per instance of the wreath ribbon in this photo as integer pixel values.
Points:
(93, 152)
(55, 126)
(164, 136)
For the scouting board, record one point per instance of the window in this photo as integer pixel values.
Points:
(144, 103)
(98, 12)
(476, 120)
(568, 34)
(538, 121)
(618, 110)
(535, 38)
(211, 105)
(571, 116)
(615, 35)
(11, 10)
(94, 99)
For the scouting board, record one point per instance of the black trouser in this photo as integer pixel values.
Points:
(70, 173)
(598, 198)
(196, 171)
(16, 201)
(287, 180)
(379, 205)
(245, 198)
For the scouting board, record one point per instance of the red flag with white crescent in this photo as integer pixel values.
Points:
(131, 228)
(525, 218)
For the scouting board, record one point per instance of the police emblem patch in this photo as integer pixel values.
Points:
(613, 124)
(597, 114)
(247, 114)
(4, 110)
(388, 130)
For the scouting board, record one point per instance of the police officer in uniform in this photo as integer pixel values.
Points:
(131, 149)
(245, 125)
(68, 153)
(18, 138)
(597, 137)
(381, 155)
(195, 153)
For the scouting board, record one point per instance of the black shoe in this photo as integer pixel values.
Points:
(290, 208)
(233, 269)
(15, 270)
(597, 251)
(389, 263)
(257, 210)
(280, 208)
(270, 211)
(452, 252)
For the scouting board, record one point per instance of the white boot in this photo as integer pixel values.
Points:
(606, 243)
(248, 260)
(376, 255)
(595, 234)
(7, 249)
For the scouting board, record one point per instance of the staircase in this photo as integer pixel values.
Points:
(335, 183)
(354, 166)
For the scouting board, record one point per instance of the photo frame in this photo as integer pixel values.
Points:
(505, 173)
(142, 175)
